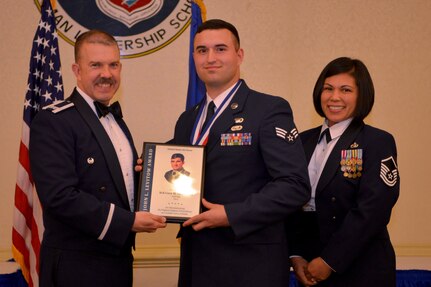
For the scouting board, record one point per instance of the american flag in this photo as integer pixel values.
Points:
(44, 87)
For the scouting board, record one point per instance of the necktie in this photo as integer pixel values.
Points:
(210, 113)
(327, 134)
(114, 109)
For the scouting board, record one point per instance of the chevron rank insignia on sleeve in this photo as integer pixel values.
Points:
(389, 171)
(290, 137)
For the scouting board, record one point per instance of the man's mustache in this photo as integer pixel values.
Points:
(105, 81)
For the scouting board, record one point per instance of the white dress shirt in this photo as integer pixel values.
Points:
(320, 156)
(121, 145)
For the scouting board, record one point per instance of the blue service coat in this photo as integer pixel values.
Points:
(352, 213)
(80, 185)
(259, 185)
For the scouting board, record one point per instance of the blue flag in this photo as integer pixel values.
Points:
(196, 88)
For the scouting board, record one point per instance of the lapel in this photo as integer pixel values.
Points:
(192, 117)
(226, 120)
(333, 163)
(311, 142)
(126, 131)
(104, 142)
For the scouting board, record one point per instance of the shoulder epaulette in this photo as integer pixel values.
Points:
(59, 106)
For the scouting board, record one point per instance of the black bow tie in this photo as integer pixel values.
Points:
(103, 110)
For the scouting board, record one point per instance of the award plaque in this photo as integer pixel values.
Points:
(171, 181)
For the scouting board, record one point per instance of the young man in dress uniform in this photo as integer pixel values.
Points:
(255, 173)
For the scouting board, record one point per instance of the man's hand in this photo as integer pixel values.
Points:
(299, 265)
(318, 270)
(215, 216)
(147, 222)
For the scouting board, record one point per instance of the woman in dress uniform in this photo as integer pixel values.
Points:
(340, 236)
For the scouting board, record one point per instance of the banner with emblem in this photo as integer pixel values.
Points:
(140, 27)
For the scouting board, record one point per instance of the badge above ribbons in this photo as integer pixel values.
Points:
(389, 171)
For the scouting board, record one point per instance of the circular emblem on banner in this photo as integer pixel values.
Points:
(140, 27)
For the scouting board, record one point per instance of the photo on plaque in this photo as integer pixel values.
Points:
(171, 181)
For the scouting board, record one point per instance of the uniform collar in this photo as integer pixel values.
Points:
(220, 98)
(87, 99)
(336, 130)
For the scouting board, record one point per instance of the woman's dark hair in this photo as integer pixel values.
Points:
(363, 80)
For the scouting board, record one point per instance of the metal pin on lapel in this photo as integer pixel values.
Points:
(236, 128)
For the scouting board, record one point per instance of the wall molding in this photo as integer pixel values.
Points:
(159, 256)
(413, 250)
(150, 256)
